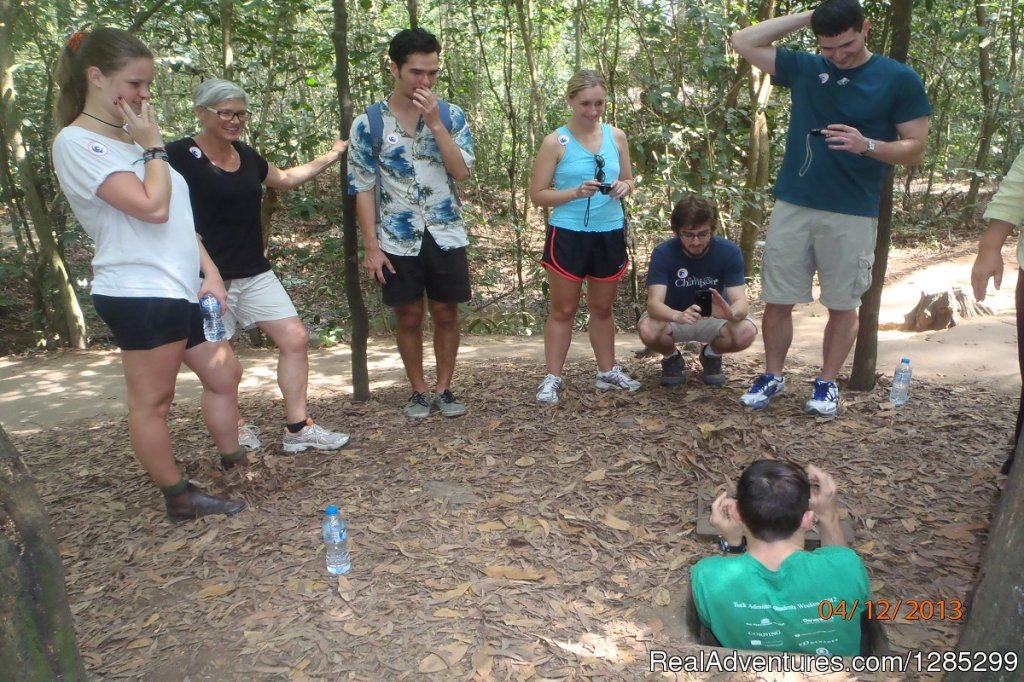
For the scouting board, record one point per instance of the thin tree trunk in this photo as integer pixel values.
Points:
(350, 230)
(752, 213)
(988, 120)
(37, 634)
(865, 357)
(226, 31)
(411, 6)
(70, 320)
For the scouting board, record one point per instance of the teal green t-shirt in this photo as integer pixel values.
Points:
(747, 606)
(873, 98)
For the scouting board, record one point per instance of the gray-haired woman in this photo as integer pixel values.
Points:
(226, 178)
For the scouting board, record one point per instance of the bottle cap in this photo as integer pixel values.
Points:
(906, 360)
(331, 511)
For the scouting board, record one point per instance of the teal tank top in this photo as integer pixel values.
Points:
(576, 165)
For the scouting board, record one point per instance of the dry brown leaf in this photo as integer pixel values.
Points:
(356, 630)
(431, 663)
(456, 591)
(615, 522)
(661, 597)
(172, 546)
(448, 613)
(140, 643)
(706, 429)
(597, 475)
(215, 590)
(483, 662)
(525, 461)
(490, 526)
(513, 573)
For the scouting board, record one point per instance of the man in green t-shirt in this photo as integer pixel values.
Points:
(767, 591)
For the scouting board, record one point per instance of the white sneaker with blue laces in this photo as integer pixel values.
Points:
(824, 400)
(764, 388)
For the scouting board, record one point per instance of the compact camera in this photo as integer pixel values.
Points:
(604, 187)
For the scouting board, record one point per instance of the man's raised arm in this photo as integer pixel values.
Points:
(757, 43)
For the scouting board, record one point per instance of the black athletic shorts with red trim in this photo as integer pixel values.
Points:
(577, 255)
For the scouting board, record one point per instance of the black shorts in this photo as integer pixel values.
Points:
(444, 275)
(578, 255)
(144, 323)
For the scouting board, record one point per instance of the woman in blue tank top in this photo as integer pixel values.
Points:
(582, 172)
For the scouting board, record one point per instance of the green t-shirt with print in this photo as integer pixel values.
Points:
(747, 606)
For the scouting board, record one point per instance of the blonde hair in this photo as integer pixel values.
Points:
(583, 79)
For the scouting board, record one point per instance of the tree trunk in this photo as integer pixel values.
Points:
(995, 612)
(226, 31)
(988, 121)
(411, 7)
(350, 230)
(865, 357)
(37, 636)
(70, 318)
(752, 211)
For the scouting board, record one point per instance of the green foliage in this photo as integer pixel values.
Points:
(676, 89)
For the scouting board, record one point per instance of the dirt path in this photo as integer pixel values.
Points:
(39, 391)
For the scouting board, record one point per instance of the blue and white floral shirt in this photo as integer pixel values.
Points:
(416, 192)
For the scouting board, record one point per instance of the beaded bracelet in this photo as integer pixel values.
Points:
(154, 153)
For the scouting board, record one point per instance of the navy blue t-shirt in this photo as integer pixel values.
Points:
(720, 267)
(873, 98)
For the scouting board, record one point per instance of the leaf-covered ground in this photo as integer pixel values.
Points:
(516, 543)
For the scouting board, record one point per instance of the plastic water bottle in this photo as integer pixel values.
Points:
(900, 383)
(336, 542)
(213, 325)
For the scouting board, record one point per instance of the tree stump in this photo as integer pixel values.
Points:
(942, 310)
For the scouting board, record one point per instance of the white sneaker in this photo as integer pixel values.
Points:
(247, 437)
(313, 436)
(616, 378)
(550, 389)
(824, 400)
(766, 387)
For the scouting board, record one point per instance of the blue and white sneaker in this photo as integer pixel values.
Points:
(765, 387)
(824, 400)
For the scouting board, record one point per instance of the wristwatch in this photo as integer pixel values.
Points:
(870, 149)
(732, 549)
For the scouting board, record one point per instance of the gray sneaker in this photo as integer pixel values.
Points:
(419, 404)
(712, 369)
(247, 436)
(672, 373)
(313, 436)
(449, 405)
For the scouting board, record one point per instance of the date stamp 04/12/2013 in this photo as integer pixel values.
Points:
(899, 609)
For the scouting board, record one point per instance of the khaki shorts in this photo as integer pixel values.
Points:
(704, 331)
(800, 241)
(256, 299)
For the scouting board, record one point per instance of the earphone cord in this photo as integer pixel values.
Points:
(808, 156)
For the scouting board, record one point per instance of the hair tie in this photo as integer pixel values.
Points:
(76, 40)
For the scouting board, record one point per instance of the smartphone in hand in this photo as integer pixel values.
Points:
(704, 301)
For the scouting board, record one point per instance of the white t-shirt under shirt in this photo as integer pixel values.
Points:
(133, 258)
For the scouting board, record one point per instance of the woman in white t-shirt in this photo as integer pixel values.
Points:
(113, 169)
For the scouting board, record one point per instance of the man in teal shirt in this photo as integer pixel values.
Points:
(853, 115)
(767, 591)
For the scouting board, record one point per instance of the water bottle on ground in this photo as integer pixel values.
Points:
(213, 325)
(336, 542)
(900, 383)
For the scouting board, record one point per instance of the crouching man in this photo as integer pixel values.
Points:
(696, 262)
(767, 591)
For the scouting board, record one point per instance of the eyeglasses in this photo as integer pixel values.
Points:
(695, 236)
(227, 114)
(599, 160)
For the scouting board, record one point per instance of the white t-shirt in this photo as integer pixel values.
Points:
(133, 258)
